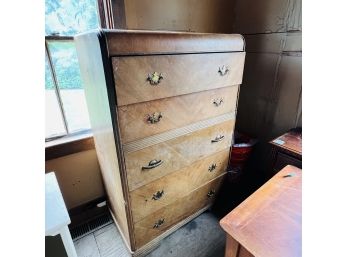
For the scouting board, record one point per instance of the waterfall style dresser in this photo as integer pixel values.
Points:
(162, 108)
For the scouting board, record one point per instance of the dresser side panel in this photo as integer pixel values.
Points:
(93, 76)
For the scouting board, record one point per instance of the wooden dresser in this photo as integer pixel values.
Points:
(162, 107)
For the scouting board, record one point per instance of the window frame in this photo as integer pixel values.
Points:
(57, 89)
(111, 14)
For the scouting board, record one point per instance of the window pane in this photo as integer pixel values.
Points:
(54, 119)
(69, 17)
(65, 63)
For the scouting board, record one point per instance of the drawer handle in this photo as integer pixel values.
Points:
(223, 70)
(218, 138)
(152, 164)
(211, 193)
(218, 102)
(158, 223)
(212, 167)
(155, 78)
(158, 195)
(154, 118)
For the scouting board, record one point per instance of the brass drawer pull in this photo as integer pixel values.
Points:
(158, 195)
(211, 193)
(223, 70)
(218, 138)
(212, 167)
(158, 223)
(152, 164)
(155, 78)
(154, 118)
(218, 102)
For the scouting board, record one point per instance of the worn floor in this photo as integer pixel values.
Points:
(202, 237)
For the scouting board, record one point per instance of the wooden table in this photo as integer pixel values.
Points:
(269, 222)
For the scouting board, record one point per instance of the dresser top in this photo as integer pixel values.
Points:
(268, 223)
(144, 42)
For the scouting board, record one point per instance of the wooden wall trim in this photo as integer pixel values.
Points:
(102, 14)
(118, 14)
(54, 151)
(112, 14)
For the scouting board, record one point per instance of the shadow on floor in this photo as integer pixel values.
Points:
(202, 237)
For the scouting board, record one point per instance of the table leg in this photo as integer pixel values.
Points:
(68, 242)
(232, 247)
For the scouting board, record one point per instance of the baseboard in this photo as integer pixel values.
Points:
(86, 206)
(86, 212)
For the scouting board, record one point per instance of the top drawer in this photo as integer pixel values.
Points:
(145, 78)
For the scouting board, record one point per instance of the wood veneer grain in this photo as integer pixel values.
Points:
(180, 209)
(177, 184)
(176, 112)
(98, 104)
(268, 223)
(140, 42)
(182, 74)
(176, 153)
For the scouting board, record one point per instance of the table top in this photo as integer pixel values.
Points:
(291, 141)
(269, 222)
(56, 214)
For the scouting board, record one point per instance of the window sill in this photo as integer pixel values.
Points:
(68, 145)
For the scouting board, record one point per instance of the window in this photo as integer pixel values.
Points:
(66, 109)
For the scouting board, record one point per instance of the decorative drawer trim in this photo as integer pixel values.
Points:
(160, 138)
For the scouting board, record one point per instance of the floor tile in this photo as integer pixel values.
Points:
(110, 243)
(87, 247)
(104, 229)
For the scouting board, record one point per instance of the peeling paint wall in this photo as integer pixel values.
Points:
(271, 94)
(212, 16)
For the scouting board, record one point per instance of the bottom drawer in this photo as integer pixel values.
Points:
(161, 220)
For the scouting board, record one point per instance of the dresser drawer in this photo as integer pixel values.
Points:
(176, 153)
(159, 193)
(181, 74)
(161, 220)
(149, 118)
